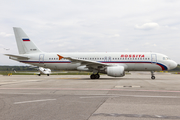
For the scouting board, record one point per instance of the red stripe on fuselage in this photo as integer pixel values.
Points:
(161, 66)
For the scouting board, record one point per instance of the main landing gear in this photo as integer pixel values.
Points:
(95, 76)
(152, 75)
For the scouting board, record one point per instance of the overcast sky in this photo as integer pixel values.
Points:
(92, 26)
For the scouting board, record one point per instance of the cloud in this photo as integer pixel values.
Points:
(116, 35)
(1, 45)
(3, 34)
(147, 26)
(172, 28)
(54, 41)
(113, 26)
(113, 36)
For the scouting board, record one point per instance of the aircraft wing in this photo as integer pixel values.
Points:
(88, 63)
(17, 56)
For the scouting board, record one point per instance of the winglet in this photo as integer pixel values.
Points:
(60, 57)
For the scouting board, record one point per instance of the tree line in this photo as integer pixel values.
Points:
(17, 68)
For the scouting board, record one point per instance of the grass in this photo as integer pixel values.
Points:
(10, 73)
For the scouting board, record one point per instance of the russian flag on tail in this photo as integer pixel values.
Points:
(26, 39)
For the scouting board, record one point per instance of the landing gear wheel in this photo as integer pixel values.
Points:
(92, 76)
(39, 74)
(47, 74)
(97, 76)
(153, 77)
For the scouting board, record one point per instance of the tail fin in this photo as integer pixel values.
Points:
(24, 44)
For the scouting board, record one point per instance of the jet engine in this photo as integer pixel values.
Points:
(115, 71)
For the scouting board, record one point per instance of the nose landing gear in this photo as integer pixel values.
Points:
(152, 75)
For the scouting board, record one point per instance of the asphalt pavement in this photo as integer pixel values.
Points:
(76, 97)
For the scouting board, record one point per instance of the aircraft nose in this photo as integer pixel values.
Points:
(173, 65)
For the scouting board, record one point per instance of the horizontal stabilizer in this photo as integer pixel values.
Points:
(17, 56)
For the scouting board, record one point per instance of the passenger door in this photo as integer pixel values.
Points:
(153, 58)
(41, 59)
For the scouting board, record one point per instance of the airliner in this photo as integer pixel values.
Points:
(111, 63)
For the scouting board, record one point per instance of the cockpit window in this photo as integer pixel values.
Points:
(166, 58)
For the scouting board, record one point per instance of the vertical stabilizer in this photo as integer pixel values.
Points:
(24, 44)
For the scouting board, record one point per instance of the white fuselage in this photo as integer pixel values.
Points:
(135, 61)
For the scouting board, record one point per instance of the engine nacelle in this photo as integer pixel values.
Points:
(115, 71)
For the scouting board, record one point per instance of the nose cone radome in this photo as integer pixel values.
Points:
(173, 65)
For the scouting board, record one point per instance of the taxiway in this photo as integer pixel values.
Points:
(76, 97)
